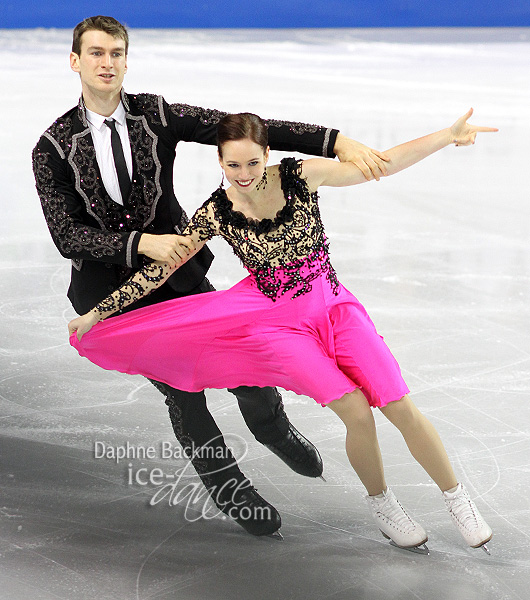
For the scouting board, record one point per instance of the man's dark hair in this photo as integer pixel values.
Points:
(99, 23)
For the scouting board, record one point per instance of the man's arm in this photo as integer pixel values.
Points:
(65, 214)
(196, 124)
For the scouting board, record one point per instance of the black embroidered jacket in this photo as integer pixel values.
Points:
(100, 236)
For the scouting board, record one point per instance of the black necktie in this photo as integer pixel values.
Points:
(119, 161)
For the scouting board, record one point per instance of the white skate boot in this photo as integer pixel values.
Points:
(395, 524)
(475, 531)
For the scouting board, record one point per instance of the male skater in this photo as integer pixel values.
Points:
(104, 174)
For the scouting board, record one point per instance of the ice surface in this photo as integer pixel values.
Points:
(439, 255)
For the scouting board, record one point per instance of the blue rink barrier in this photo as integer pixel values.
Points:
(269, 13)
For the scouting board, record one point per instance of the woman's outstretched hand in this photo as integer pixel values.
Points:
(464, 134)
(82, 324)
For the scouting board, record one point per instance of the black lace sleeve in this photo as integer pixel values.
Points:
(142, 283)
(204, 224)
(201, 228)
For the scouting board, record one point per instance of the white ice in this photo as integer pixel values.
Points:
(439, 255)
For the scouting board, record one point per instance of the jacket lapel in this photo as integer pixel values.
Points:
(88, 182)
(146, 188)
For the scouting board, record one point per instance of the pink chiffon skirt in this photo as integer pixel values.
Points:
(320, 344)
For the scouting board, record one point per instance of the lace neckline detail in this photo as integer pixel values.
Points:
(290, 170)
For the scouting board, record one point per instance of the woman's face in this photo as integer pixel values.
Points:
(243, 162)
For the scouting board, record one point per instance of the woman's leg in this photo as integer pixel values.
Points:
(422, 440)
(364, 454)
(362, 446)
(427, 448)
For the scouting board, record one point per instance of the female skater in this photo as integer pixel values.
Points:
(290, 322)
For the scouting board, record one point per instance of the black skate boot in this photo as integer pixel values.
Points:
(298, 453)
(247, 508)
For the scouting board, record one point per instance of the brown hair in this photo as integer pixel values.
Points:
(242, 126)
(107, 24)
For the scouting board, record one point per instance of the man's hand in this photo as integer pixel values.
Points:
(370, 162)
(170, 248)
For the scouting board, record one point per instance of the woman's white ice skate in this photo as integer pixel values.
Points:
(475, 531)
(395, 524)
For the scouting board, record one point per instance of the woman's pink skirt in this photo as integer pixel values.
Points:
(320, 344)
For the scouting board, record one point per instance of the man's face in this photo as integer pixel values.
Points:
(102, 63)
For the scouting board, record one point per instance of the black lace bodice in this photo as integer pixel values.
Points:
(283, 255)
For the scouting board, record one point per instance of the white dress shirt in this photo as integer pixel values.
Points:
(101, 137)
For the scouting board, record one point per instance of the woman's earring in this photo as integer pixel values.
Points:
(222, 179)
(263, 181)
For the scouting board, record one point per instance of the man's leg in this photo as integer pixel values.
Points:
(264, 414)
(203, 442)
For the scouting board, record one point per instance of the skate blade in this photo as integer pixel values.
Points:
(416, 549)
(276, 535)
(484, 547)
